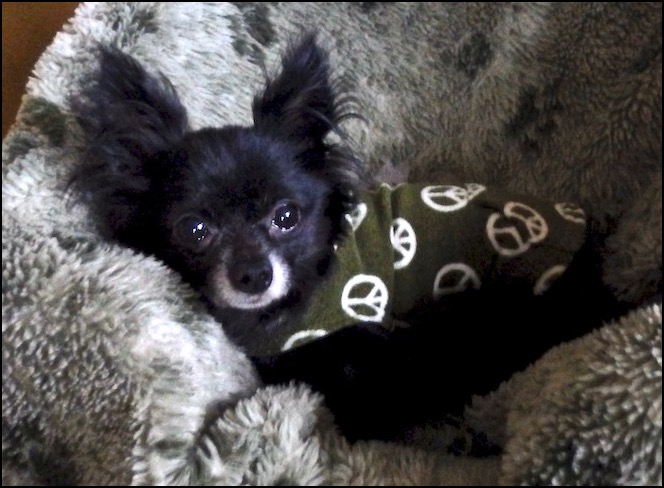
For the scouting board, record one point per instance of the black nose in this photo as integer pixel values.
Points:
(251, 276)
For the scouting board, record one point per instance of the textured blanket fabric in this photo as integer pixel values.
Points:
(113, 372)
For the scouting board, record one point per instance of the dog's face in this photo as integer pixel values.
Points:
(241, 218)
(248, 215)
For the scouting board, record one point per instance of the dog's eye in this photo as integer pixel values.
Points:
(192, 231)
(286, 216)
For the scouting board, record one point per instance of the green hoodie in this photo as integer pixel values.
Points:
(416, 243)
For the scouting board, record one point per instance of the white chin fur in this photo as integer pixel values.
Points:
(225, 294)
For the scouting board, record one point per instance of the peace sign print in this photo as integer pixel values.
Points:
(547, 279)
(474, 189)
(357, 215)
(365, 298)
(571, 212)
(516, 229)
(404, 242)
(454, 278)
(303, 336)
(449, 198)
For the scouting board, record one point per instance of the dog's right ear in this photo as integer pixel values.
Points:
(128, 117)
(130, 111)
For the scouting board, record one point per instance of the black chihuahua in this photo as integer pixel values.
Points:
(248, 215)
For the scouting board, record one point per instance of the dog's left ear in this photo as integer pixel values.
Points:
(300, 102)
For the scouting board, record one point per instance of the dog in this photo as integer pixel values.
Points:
(247, 215)
(250, 217)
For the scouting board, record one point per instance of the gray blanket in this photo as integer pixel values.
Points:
(114, 373)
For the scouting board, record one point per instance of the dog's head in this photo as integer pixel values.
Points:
(248, 215)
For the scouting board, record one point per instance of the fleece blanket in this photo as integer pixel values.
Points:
(113, 372)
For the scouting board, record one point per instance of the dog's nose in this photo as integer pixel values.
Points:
(251, 276)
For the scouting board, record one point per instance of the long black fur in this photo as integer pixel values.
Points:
(145, 174)
(144, 168)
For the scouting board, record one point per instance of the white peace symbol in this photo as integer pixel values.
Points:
(357, 215)
(375, 300)
(474, 189)
(547, 279)
(467, 279)
(536, 227)
(449, 198)
(390, 186)
(571, 212)
(404, 242)
(303, 336)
